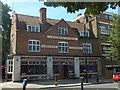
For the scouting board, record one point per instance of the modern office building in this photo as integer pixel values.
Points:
(100, 26)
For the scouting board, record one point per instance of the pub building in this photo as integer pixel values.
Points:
(43, 48)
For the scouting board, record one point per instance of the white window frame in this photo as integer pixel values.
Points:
(63, 47)
(104, 30)
(62, 31)
(10, 66)
(34, 45)
(82, 33)
(88, 48)
(34, 27)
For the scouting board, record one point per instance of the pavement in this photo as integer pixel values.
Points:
(50, 83)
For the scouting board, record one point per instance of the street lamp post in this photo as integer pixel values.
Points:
(85, 54)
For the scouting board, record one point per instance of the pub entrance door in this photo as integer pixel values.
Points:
(64, 71)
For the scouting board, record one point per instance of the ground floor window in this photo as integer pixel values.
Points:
(55, 69)
(10, 66)
(24, 69)
(90, 68)
(43, 69)
(33, 67)
(71, 68)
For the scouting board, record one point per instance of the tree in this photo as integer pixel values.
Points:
(93, 8)
(115, 39)
(6, 25)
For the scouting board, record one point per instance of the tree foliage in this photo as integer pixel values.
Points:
(6, 25)
(93, 8)
(115, 39)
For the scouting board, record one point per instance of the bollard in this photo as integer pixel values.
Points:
(56, 81)
(97, 78)
(82, 80)
(24, 84)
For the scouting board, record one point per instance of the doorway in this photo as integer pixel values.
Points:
(64, 71)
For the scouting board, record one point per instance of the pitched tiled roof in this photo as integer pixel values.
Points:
(32, 20)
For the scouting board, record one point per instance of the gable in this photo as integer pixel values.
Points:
(61, 24)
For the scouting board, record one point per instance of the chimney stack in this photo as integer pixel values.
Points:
(42, 15)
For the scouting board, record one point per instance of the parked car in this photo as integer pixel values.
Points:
(116, 76)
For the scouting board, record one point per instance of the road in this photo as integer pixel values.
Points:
(106, 86)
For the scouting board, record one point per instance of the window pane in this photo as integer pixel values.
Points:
(37, 29)
(59, 30)
(30, 47)
(66, 49)
(62, 49)
(63, 31)
(33, 48)
(11, 69)
(66, 44)
(99, 16)
(66, 31)
(33, 28)
(30, 42)
(29, 28)
(55, 69)
(38, 48)
(11, 62)
(38, 43)
(33, 42)
(60, 44)
(43, 69)
(37, 62)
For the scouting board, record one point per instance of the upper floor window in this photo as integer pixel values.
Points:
(33, 28)
(108, 58)
(63, 47)
(62, 31)
(107, 37)
(101, 36)
(87, 48)
(105, 50)
(82, 33)
(105, 16)
(34, 46)
(99, 15)
(111, 18)
(104, 30)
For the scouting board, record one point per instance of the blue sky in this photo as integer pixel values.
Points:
(32, 9)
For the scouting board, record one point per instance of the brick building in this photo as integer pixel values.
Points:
(43, 48)
(100, 25)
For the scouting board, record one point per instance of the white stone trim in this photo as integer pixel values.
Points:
(105, 43)
(105, 55)
(73, 47)
(49, 46)
(112, 65)
(104, 23)
(60, 37)
(77, 67)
